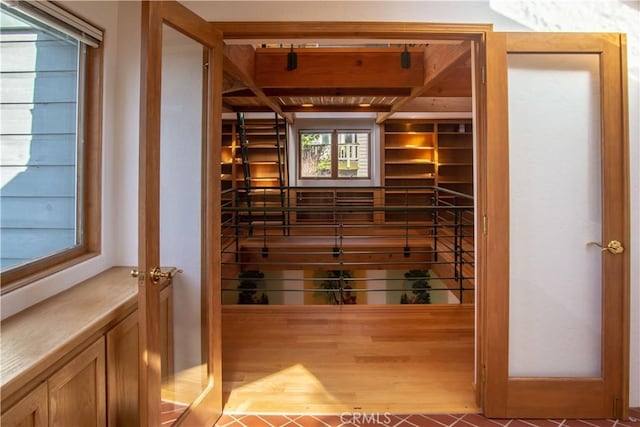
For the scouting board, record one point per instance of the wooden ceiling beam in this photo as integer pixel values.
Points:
(304, 92)
(439, 59)
(438, 104)
(344, 68)
(337, 109)
(239, 61)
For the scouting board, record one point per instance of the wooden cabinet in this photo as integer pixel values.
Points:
(62, 371)
(31, 411)
(77, 392)
(122, 373)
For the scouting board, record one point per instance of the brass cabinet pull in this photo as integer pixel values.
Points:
(614, 246)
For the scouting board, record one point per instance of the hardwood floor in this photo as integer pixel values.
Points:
(331, 359)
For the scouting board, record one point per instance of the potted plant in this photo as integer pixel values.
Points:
(419, 280)
(338, 290)
(250, 282)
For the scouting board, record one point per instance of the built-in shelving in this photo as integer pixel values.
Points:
(419, 153)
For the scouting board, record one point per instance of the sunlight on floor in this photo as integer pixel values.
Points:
(294, 379)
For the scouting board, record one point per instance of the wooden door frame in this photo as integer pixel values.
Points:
(476, 33)
(614, 118)
(154, 15)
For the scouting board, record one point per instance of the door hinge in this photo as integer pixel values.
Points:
(483, 375)
(485, 225)
(483, 74)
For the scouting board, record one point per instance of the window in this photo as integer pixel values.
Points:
(337, 154)
(50, 143)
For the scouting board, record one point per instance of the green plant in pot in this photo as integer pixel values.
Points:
(338, 289)
(250, 282)
(419, 280)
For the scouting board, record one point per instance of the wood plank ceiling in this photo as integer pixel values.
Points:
(349, 79)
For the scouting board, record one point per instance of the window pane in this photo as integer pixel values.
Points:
(315, 155)
(39, 75)
(353, 155)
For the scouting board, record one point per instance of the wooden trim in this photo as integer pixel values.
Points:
(364, 30)
(478, 54)
(148, 213)
(91, 185)
(626, 225)
(495, 332)
(213, 231)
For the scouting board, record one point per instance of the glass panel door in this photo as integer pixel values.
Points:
(556, 200)
(184, 367)
(555, 209)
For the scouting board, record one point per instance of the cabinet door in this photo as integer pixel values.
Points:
(77, 391)
(31, 411)
(122, 373)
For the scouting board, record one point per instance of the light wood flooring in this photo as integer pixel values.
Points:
(331, 359)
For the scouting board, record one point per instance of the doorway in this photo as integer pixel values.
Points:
(399, 352)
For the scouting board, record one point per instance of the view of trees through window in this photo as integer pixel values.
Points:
(337, 154)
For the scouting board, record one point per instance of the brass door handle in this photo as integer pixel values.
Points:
(157, 274)
(614, 246)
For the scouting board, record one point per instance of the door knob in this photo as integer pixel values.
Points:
(614, 246)
(157, 274)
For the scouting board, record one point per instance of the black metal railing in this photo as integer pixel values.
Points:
(426, 233)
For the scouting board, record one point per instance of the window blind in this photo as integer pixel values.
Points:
(58, 18)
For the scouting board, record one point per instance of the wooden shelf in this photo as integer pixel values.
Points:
(415, 176)
(409, 147)
(409, 162)
(427, 152)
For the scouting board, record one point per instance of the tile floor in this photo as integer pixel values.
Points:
(410, 420)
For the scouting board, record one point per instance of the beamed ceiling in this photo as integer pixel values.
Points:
(349, 79)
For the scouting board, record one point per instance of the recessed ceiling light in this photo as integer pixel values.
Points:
(364, 104)
(307, 104)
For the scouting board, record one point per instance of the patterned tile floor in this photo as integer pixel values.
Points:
(412, 420)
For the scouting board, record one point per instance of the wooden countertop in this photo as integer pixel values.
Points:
(36, 339)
